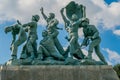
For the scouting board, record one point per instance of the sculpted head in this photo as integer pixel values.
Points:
(74, 17)
(44, 33)
(36, 18)
(85, 22)
(51, 15)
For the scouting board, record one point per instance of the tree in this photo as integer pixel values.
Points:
(117, 69)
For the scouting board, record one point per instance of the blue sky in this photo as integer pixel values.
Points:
(110, 1)
(103, 14)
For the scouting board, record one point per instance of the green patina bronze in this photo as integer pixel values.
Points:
(29, 50)
(16, 29)
(52, 28)
(91, 33)
(47, 47)
(50, 50)
(72, 26)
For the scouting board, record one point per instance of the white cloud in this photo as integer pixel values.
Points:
(113, 56)
(94, 56)
(110, 15)
(85, 52)
(97, 10)
(110, 63)
(116, 32)
(80, 33)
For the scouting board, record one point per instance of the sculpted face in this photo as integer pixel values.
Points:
(17, 26)
(35, 18)
(84, 24)
(51, 15)
(44, 33)
(74, 17)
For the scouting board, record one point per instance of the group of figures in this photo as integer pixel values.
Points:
(50, 50)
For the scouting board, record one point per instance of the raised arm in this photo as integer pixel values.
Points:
(43, 14)
(85, 40)
(84, 11)
(78, 21)
(64, 18)
(19, 22)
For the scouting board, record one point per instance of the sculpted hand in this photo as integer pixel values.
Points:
(62, 10)
(19, 22)
(41, 9)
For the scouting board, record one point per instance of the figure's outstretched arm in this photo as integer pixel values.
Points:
(24, 25)
(85, 40)
(30, 24)
(64, 18)
(78, 21)
(27, 24)
(43, 14)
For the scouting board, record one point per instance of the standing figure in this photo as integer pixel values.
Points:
(30, 47)
(47, 47)
(91, 33)
(16, 29)
(72, 26)
(53, 29)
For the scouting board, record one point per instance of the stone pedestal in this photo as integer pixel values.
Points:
(57, 72)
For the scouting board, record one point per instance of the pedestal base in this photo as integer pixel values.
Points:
(58, 72)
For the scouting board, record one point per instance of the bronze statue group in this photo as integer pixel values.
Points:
(50, 50)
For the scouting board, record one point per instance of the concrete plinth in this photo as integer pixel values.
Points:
(58, 72)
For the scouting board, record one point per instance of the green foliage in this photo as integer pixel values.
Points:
(117, 69)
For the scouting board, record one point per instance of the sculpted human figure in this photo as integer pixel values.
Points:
(53, 29)
(31, 45)
(48, 48)
(72, 27)
(16, 29)
(91, 33)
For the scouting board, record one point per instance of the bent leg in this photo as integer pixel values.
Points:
(91, 47)
(59, 46)
(73, 45)
(31, 45)
(58, 56)
(99, 54)
(15, 48)
(42, 52)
